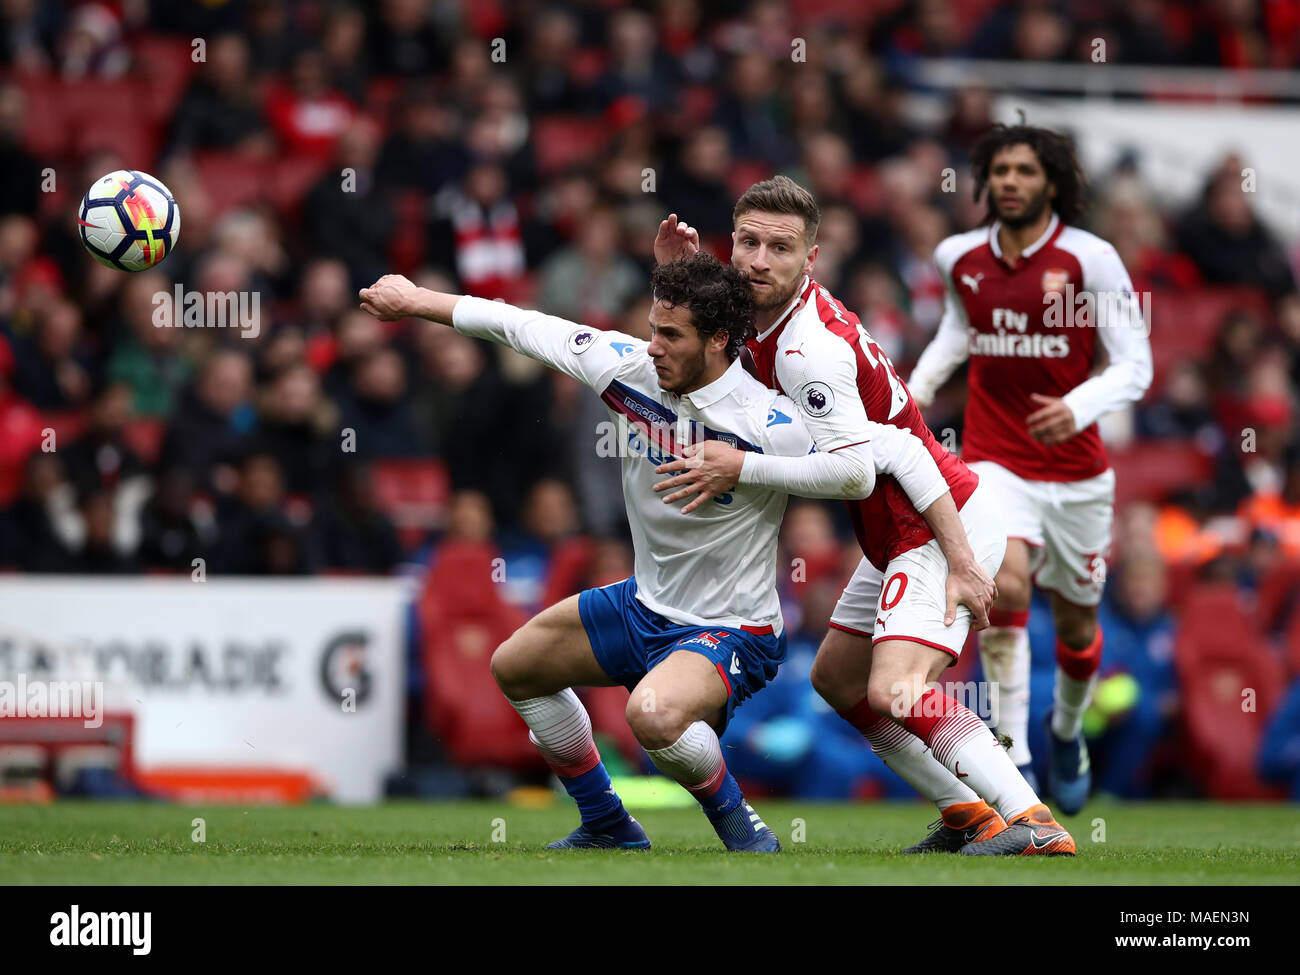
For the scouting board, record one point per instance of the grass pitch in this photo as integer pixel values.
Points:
(84, 843)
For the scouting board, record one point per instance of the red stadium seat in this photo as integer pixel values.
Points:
(1184, 324)
(413, 493)
(1153, 470)
(165, 64)
(1230, 681)
(291, 179)
(563, 140)
(45, 127)
(463, 620)
(233, 179)
(134, 139)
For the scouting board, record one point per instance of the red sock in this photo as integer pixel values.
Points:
(1008, 617)
(1080, 664)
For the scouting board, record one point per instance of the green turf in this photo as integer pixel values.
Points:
(433, 843)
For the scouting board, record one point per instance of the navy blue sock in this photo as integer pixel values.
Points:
(597, 801)
(726, 798)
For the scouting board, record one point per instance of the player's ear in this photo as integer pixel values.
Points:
(811, 259)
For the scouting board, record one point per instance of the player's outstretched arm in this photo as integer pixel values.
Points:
(394, 297)
(589, 356)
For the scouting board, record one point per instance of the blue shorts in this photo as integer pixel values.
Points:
(629, 640)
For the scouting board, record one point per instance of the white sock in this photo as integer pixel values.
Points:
(1004, 651)
(561, 730)
(1070, 699)
(694, 760)
(907, 756)
(964, 745)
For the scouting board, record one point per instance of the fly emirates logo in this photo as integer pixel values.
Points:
(1010, 339)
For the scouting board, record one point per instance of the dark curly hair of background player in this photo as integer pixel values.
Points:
(1055, 153)
(718, 296)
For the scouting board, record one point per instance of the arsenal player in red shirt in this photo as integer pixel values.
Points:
(897, 625)
(1034, 302)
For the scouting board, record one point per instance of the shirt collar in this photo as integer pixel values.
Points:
(706, 396)
(795, 303)
(1033, 248)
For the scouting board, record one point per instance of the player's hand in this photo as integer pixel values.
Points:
(391, 298)
(709, 469)
(970, 586)
(675, 240)
(1053, 422)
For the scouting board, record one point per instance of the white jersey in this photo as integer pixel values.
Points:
(717, 565)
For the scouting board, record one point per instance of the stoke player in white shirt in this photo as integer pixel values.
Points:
(698, 628)
(898, 624)
(1032, 301)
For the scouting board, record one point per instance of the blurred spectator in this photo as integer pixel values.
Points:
(403, 38)
(308, 115)
(423, 151)
(752, 112)
(590, 281)
(550, 516)
(54, 366)
(210, 426)
(29, 538)
(376, 408)
(100, 459)
(1229, 244)
(549, 77)
(254, 536)
(1137, 693)
(351, 218)
(99, 551)
(221, 108)
(299, 426)
(23, 169)
(637, 69)
(92, 45)
(478, 233)
(147, 358)
(354, 534)
(173, 527)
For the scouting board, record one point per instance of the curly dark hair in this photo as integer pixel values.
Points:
(1054, 151)
(718, 296)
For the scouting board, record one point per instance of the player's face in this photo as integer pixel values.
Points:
(680, 356)
(771, 249)
(1019, 189)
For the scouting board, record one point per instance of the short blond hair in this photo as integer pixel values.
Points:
(781, 194)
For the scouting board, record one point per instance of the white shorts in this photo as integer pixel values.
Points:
(1067, 522)
(908, 600)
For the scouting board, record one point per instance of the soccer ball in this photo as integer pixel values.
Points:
(129, 221)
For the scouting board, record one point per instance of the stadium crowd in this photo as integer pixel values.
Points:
(528, 151)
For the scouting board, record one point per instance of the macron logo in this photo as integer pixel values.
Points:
(775, 418)
(103, 928)
(622, 348)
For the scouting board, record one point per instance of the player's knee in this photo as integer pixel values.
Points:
(656, 723)
(893, 695)
(833, 687)
(510, 669)
(1077, 630)
(1013, 591)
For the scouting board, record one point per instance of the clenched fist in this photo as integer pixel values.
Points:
(390, 298)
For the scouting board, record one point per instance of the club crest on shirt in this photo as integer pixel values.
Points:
(1055, 279)
(580, 342)
(816, 399)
